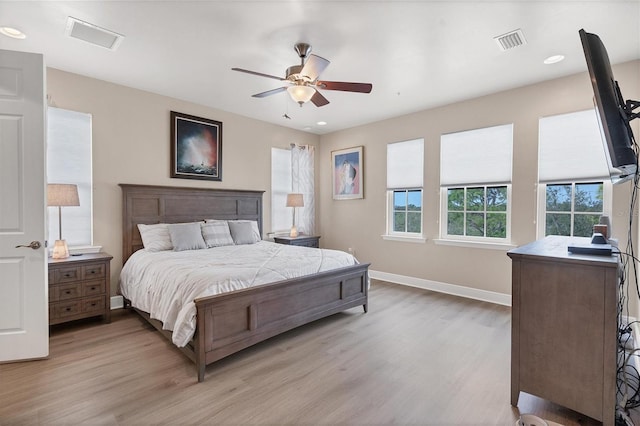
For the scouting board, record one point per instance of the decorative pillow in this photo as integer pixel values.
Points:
(155, 237)
(244, 231)
(186, 236)
(216, 233)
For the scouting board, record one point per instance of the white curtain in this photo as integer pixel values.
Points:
(302, 182)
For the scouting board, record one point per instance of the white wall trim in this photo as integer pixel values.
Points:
(117, 302)
(456, 290)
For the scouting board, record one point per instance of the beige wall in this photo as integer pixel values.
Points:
(131, 145)
(359, 224)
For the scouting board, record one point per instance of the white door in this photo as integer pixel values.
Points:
(24, 315)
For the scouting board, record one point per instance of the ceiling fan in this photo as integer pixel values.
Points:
(303, 83)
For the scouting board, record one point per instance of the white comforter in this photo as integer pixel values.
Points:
(166, 283)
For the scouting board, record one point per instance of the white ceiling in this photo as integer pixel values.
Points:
(417, 54)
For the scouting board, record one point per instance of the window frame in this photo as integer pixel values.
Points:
(444, 210)
(391, 215)
(541, 219)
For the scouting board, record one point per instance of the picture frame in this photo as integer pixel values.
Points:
(347, 171)
(196, 147)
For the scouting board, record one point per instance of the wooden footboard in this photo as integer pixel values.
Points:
(230, 322)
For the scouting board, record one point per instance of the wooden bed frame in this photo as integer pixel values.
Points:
(230, 322)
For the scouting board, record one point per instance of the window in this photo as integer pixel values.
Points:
(281, 215)
(574, 189)
(475, 184)
(69, 161)
(573, 208)
(405, 173)
(477, 211)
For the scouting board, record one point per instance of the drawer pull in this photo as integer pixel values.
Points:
(67, 292)
(67, 275)
(67, 309)
(92, 288)
(92, 271)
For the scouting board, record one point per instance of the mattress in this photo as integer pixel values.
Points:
(166, 283)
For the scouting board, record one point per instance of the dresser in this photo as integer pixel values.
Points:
(300, 240)
(564, 326)
(79, 287)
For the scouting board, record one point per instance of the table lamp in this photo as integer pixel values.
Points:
(61, 195)
(294, 200)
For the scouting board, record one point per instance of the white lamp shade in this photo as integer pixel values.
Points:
(295, 200)
(62, 194)
(301, 94)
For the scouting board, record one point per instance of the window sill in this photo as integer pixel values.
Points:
(475, 244)
(419, 240)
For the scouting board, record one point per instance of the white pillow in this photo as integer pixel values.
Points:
(155, 237)
(216, 233)
(244, 231)
(186, 236)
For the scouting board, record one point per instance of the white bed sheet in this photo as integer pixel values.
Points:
(166, 283)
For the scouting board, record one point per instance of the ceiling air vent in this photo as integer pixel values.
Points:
(510, 40)
(93, 34)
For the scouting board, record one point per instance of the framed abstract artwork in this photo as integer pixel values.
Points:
(196, 147)
(347, 167)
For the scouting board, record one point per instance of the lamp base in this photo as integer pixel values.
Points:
(60, 250)
(294, 232)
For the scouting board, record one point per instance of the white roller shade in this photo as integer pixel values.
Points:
(570, 148)
(281, 215)
(481, 156)
(405, 164)
(69, 161)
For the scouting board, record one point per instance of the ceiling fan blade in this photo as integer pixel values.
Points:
(259, 73)
(314, 67)
(345, 87)
(269, 92)
(319, 100)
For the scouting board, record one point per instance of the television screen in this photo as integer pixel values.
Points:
(617, 136)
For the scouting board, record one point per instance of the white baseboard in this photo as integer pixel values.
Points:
(117, 302)
(456, 290)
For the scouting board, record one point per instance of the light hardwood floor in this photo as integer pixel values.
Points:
(417, 357)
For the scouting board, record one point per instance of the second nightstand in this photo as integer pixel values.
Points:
(79, 287)
(301, 240)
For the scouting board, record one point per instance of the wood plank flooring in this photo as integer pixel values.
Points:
(417, 358)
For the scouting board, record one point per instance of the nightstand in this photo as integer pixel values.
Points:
(79, 287)
(300, 240)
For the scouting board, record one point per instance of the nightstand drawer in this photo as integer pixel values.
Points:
(66, 309)
(67, 274)
(93, 288)
(68, 291)
(94, 304)
(97, 270)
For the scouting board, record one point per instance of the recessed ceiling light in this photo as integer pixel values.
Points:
(321, 123)
(12, 32)
(554, 59)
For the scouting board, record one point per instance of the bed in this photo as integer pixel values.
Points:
(229, 322)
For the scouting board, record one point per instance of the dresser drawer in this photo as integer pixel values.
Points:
(93, 304)
(93, 288)
(68, 291)
(96, 270)
(67, 274)
(66, 309)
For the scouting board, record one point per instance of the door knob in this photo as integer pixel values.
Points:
(32, 245)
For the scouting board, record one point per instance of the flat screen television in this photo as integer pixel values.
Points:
(613, 112)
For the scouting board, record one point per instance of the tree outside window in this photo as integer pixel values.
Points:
(573, 208)
(479, 211)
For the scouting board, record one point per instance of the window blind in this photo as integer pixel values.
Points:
(570, 148)
(405, 164)
(281, 215)
(481, 156)
(69, 161)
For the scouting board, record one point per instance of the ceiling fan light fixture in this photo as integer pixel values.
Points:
(301, 93)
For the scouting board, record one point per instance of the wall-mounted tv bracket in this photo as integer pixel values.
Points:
(629, 106)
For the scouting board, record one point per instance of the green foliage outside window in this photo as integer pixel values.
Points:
(477, 211)
(407, 211)
(573, 209)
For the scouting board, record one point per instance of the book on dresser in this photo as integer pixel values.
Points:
(79, 287)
